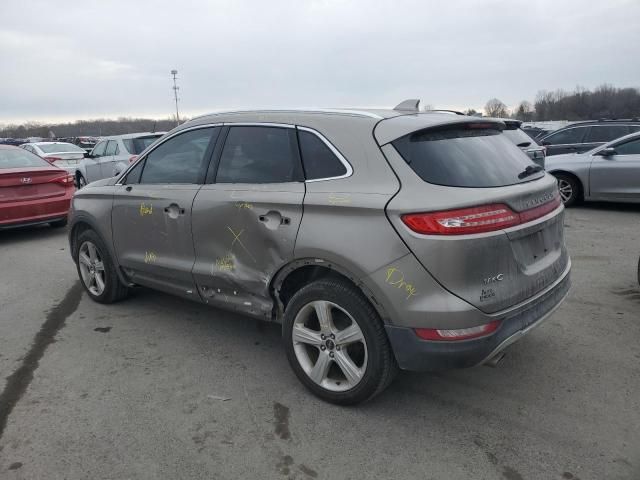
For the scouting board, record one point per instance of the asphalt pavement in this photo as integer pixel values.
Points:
(157, 387)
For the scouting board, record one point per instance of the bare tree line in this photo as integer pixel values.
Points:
(605, 101)
(96, 127)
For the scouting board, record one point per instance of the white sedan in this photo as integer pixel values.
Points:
(64, 155)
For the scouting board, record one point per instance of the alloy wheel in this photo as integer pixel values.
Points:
(566, 190)
(91, 268)
(329, 346)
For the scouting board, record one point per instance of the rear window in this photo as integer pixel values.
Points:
(135, 146)
(18, 158)
(460, 156)
(59, 147)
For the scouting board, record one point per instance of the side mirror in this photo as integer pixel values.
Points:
(607, 152)
(87, 154)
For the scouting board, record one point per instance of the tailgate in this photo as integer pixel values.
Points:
(492, 245)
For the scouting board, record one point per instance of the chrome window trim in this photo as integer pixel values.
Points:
(152, 147)
(334, 150)
(258, 124)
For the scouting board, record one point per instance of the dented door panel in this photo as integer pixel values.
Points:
(243, 234)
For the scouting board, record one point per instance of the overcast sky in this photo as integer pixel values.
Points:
(67, 60)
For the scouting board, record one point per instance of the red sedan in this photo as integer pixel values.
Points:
(32, 191)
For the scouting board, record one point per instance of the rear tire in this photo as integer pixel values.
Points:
(353, 340)
(80, 181)
(570, 189)
(96, 269)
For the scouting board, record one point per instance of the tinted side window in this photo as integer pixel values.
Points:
(571, 135)
(629, 148)
(606, 133)
(111, 148)
(317, 158)
(259, 155)
(99, 149)
(182, 159)
(134, 174)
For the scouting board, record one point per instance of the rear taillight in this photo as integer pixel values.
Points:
(133, 158)
(465, 221)
(52, 159)
(65, 180)
(461, 222)
(457, 334)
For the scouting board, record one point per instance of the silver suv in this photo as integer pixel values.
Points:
(378, 239)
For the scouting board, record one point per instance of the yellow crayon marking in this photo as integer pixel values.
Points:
(236, 238)
(244, 205)
(225, 263)
(337, 199)
(146, 209)
(396, 278)
(150, 257)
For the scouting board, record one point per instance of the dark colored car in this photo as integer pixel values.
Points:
(32, 190)
(536, 132)
(584, 136)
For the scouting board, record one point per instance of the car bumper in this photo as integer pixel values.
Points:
(413, 353)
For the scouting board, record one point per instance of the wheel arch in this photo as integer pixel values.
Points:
(83, 223)
(297, 273)
(581, 183)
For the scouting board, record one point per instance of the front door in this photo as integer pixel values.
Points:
(151, 215)
(617, 177)
(246, 221)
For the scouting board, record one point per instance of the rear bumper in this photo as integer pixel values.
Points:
(19, 214)
(413, 353)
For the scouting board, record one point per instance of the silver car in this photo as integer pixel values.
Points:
(112, 155)
(61, 154)
(379, 239)
(610, 172)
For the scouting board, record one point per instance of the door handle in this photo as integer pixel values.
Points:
(128, 188)
(273, 219)
(174, 210)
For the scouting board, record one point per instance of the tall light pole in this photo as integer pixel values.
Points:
(175, 94)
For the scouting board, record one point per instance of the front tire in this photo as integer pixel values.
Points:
(570, 189)
(336, 343)
(96, 269)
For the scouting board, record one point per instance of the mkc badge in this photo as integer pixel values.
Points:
(25, 179)
(497, 278)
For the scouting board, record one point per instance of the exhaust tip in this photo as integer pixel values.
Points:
(495, 360)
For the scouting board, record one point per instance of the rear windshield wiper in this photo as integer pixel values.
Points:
(523, 144)
(530, 170)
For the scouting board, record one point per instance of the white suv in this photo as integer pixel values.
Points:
(112, 155)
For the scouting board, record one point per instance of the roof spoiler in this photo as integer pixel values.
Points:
(410, 105)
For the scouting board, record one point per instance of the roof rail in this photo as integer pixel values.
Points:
(446, 111)
(410, 105)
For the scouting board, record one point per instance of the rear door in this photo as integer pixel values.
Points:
(568, 140)
(600, 134)
(617, 177)
(245, 220)
(464, 192)
(151, 215)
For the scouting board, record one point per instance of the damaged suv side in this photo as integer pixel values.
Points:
(380, 239)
